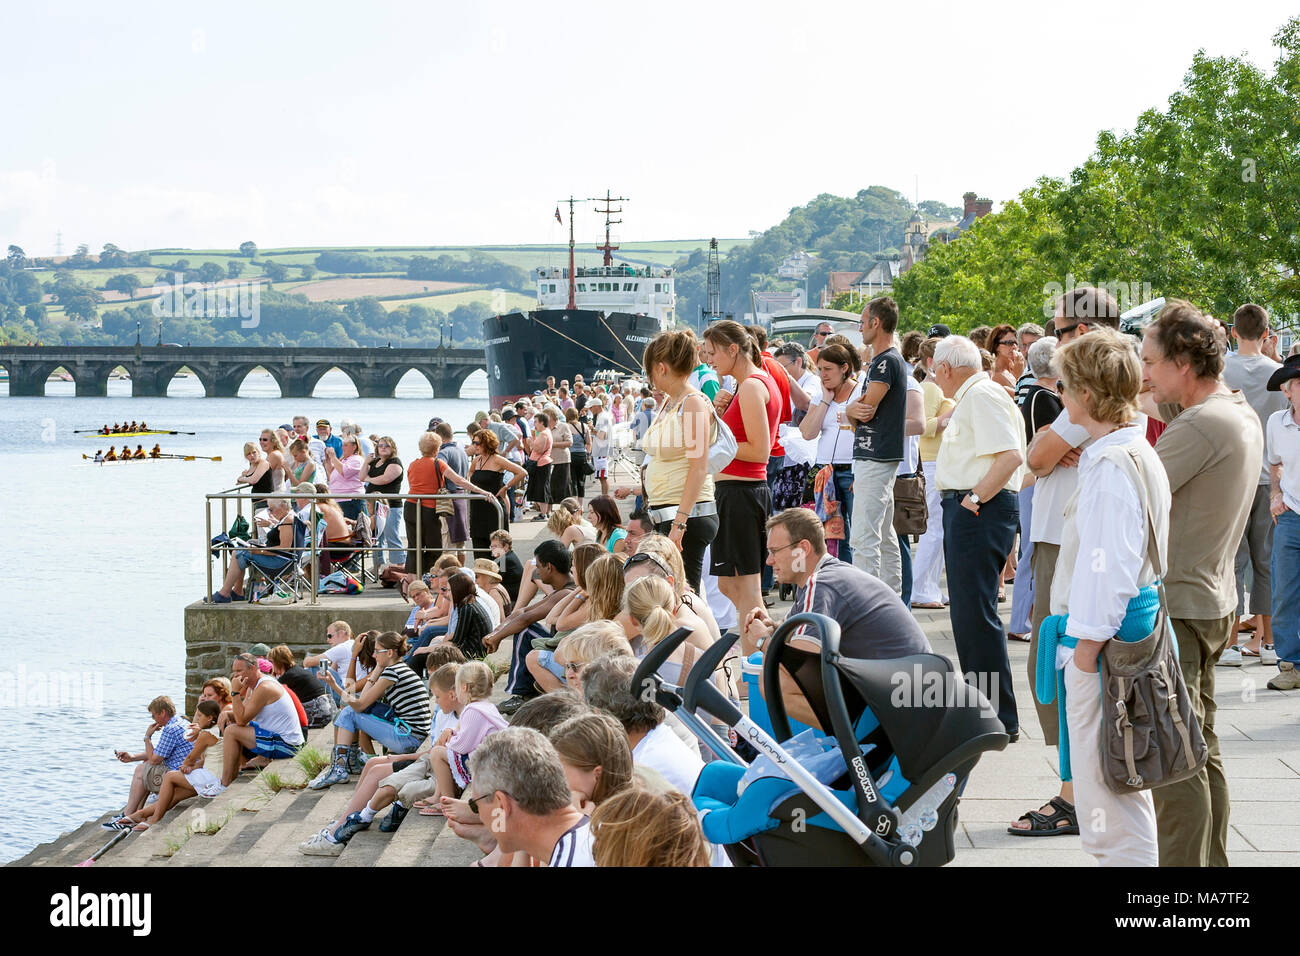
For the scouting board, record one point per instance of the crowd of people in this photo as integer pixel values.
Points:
(771, 465)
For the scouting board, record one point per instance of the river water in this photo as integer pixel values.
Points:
(100, 562)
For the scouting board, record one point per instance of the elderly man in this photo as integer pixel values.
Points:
(520, 794)
(978, 473)
(327, 439)
(266, 721)
(1211, 450)
(879, 410)
(172, 750)
(1283, 440)
(1027, 335)
(874, 623)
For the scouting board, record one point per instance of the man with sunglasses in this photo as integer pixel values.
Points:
(519, 792)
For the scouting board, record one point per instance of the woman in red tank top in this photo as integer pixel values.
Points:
(744, 500)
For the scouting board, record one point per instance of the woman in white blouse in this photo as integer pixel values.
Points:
(1104, 587)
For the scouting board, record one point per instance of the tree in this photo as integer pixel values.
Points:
(17, 258)
(35, 313)
(275, 271)
(248, 249)
(112, 257)
(24, 288)
(211, 272)
(234, 268)
(82, 307)
(308, 271)
(126, 283)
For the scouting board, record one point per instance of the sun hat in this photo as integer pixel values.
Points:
(488, 568)
(1290, 369)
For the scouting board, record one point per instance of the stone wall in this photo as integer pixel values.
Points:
(214, 634)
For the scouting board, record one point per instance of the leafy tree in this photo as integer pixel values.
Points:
(83, 307)
(127, 283)
(275, 271)
(234, 268)
(35, 312)
(112, 257)
(17, 258)
(211, 272)
(248, 249)
(24, 288)
(308, 271)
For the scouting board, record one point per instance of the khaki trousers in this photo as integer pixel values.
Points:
(1192, 816)
(1043, 562)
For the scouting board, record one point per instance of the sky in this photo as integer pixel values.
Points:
(202, 125)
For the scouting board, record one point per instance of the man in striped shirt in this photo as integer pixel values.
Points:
(874, 624)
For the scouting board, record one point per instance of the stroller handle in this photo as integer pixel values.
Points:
(701, 673)
(645, 680)
(828, 632)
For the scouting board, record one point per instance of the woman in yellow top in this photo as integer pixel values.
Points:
(679, 488)
(927, 566)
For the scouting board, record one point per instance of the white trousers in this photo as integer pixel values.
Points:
(927, 565)
(871, 526)
(1119, 829)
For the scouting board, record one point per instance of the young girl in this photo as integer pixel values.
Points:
(478, 718)
(596, 757)
(191, 779)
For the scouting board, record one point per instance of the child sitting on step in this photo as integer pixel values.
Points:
(192, 779)
(478, 718)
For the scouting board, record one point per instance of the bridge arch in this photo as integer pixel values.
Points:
(232, 378)
(45, 369)
(166, 377)
(310, 379)
(458, 375)
(396, 376)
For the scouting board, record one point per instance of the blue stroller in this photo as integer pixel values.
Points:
(892, 801)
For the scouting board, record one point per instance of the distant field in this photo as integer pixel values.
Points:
(330, 290)
(453, 300)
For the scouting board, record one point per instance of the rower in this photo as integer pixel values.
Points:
(126, 453)
(139, 452)
(144, 427)
(156, 451)
(99, 456)
(134, 427)
(106, 430)
(112, 455)
(116, 428)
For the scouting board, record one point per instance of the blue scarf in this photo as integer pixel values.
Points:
(1049, 683)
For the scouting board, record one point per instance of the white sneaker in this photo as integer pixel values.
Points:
(320, 845)
(1230, 658)
(1288, 678)
(1267, 655)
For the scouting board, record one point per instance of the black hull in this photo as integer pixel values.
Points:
(523, 348)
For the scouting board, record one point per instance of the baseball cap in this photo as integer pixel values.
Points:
(434, 422)
(323, 421)
(938, 331)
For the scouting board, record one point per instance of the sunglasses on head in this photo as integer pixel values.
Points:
(641, 557)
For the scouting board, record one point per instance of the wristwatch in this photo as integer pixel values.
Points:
(976, 499)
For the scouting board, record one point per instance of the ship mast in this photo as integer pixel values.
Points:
(608, 211)
(573, 301)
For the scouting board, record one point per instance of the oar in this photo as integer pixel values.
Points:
(117, 838)
(192, 457)
(150, 431)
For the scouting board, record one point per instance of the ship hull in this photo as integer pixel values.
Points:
(523, 348)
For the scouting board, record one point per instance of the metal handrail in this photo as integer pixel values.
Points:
(242, 493)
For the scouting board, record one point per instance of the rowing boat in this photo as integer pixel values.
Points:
(89, 433)
(122, 461)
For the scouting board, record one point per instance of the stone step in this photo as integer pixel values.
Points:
(151, 846)
(73, 847)
(411, 842)
(447, 849)
(313, 810)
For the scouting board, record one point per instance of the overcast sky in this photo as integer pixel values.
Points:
(328, 123)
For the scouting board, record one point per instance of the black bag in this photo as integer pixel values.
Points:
(911, 514)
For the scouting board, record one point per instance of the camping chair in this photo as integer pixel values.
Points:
(292, 576)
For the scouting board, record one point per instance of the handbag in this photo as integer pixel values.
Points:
(443, 505)
(911, 514)
(1150, 736)
(723, 447)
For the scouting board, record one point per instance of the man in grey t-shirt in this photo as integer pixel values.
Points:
(874, 624)
(1247, 370)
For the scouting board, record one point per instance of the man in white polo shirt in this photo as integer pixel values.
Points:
(1284, 504)
(978, 473)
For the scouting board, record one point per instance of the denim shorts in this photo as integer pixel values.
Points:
(547, 660)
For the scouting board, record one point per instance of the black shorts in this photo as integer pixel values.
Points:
(539, 484)
(740, 546)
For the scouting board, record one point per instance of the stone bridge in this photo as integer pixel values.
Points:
(374, 371)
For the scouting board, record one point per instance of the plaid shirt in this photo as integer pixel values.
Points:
(172, 745)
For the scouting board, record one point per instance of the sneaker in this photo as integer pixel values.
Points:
(508, 707)
(1267, 655)
(1288, 678)
(394, 819)
(351, 825)
(117, 823)
(1230, 658)
(335, 773)
(320, 845)
(356, 760)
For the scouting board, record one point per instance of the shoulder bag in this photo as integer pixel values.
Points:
(911, 514)
(1150, 736)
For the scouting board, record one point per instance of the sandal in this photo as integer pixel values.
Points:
(428, 811)
(930, 606)
(1041, 824)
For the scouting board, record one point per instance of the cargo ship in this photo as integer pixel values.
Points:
(587, 320)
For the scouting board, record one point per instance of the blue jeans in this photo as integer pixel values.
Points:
(975, 549)
(424, 639)
(390, 537)
(905, 555)
(395, 738)
(844, 492)
(774, 466)
(1285, 565)
(1022, 594)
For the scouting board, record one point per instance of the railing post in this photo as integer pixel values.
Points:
(207, 543)
(315, 568)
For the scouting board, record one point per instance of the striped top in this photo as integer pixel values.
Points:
(409, 697)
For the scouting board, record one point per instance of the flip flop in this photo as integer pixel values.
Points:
(420, 804)
(140, 827)
(930, 606)
(1246, 651)
(427, 811)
